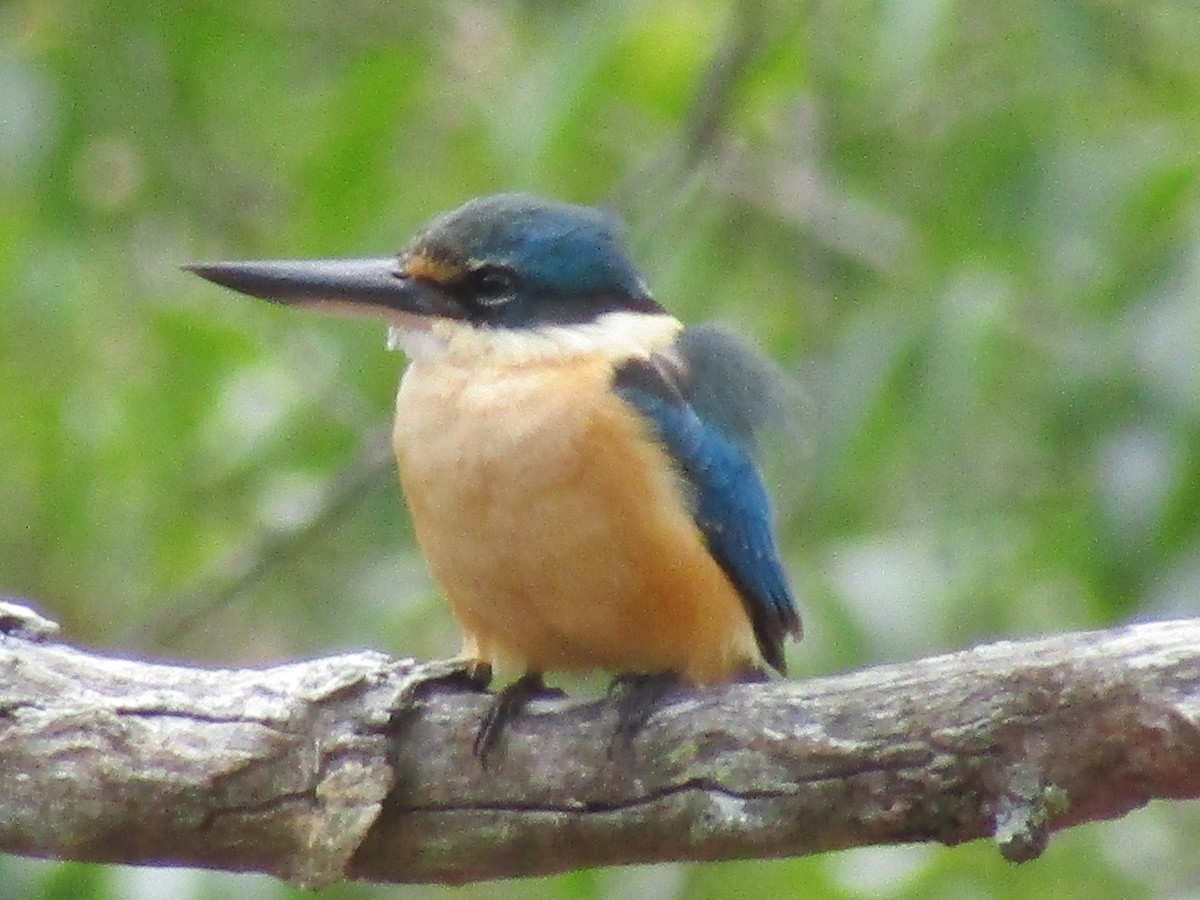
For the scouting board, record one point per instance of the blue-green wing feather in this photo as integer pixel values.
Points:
(707, 427)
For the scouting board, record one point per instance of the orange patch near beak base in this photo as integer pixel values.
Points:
(428, 268)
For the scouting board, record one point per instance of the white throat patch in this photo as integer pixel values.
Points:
(615, 334)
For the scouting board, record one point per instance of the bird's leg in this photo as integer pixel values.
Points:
(507, 704)
(637, 696)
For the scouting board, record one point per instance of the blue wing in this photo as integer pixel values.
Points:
(705, 414)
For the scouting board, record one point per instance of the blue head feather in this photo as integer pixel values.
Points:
(569, 262)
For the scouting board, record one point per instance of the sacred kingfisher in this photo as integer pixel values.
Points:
(579, 466)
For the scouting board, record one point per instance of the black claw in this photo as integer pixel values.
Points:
(637, 696)
(507, 704)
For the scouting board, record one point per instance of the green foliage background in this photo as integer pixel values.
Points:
(970, 229)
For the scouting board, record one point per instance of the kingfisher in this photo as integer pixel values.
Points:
(580, 468)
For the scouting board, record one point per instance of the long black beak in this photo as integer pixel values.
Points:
(376, 288)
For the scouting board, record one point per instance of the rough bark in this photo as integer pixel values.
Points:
(347, 767)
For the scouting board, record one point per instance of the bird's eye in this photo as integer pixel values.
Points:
(493, 285)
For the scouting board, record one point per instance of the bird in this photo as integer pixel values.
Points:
(581, 469)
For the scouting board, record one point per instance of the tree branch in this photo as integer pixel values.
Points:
(342, 767)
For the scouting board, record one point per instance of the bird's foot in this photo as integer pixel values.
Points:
(507, 704)
(637, 696)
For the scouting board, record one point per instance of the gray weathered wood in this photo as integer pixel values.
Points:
(341, 767)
